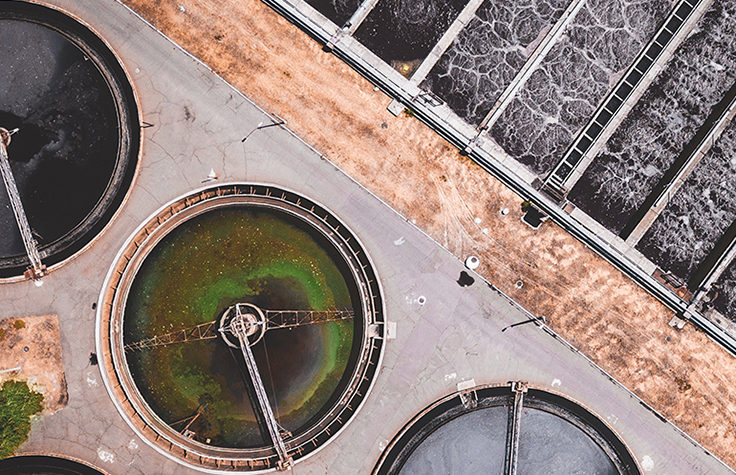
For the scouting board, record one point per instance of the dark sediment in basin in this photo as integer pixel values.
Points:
(44, 465)
(489, 52)
(75, 154)
(403, 32)
(339, 11)
(556, 436)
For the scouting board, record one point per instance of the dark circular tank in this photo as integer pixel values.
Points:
(471, 432)
(288, 264)
(44, 465)
(76, 150)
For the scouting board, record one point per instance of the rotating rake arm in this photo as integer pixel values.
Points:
(37, 269)
(205, 331)
(239, 328)
(293, 318)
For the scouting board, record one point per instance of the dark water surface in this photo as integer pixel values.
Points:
(403, 32)
(476, 443)
(696, 218)
(724, 292)
(75, 154)
(663, 122)
(339, 11)
(562, 94)
(65, 152)
(488, 53)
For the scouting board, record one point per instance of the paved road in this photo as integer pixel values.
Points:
(198, 123)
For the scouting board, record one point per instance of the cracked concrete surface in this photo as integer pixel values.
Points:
(453, 336)
(588, 301)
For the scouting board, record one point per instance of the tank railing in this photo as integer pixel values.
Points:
(352, 397)
(204, 331)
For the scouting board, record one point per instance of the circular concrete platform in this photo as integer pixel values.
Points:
(184, 389)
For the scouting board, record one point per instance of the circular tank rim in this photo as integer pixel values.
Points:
(55, 455)
(120, 358)
(404, 436)
(128, 87)
(373, 345)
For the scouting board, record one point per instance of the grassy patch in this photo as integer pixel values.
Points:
(18, 403)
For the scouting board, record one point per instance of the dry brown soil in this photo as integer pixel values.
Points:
(682, 374)
(33, 344)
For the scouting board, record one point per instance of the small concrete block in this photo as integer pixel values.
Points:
(391, 330)
(677, 323)
(396, 107)
(465, 385)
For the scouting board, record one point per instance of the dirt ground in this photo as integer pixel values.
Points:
(32, 343)
(682, 374)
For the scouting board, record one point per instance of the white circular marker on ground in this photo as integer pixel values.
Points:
(504, 211)
(477, 220)
(472, 262)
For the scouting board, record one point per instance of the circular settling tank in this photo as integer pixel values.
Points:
(75, 152)
(503, 429)
(240, 328)
(44, 465)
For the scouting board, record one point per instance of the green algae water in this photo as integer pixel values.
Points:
(240, 254)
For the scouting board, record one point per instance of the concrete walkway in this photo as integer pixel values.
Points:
(451, 335)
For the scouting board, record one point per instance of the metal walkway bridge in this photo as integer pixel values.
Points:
(275, 319)
(37, 269)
